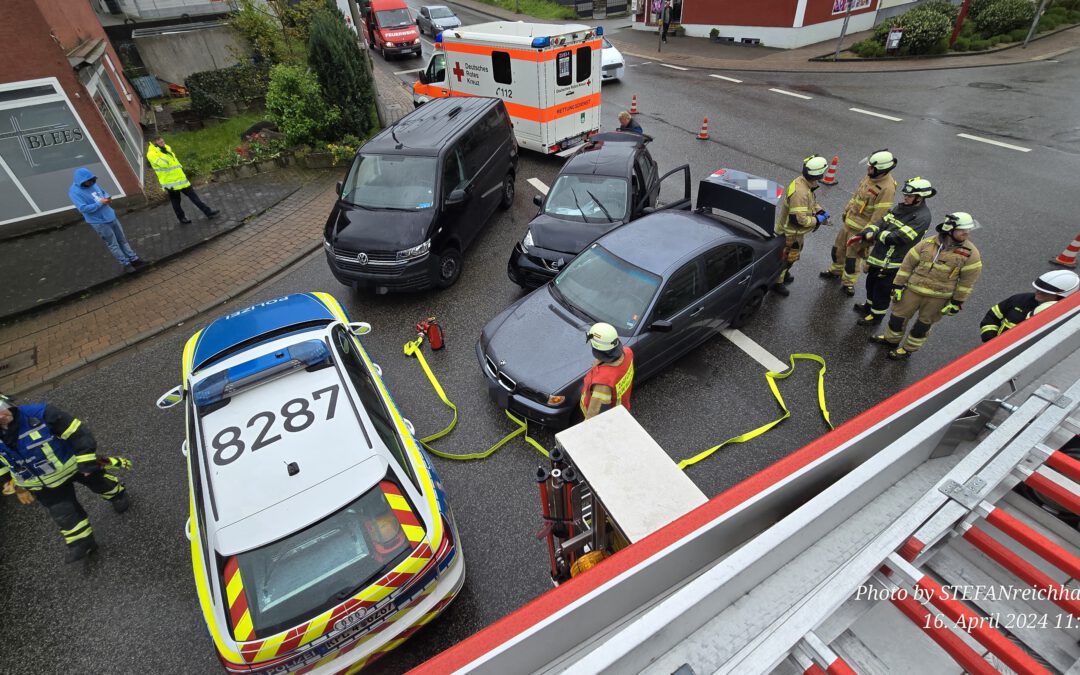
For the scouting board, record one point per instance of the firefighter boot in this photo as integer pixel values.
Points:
(861, 310)
(120, 502)
(80, 548)
(899, 354)
(780, 289)
(869, 320)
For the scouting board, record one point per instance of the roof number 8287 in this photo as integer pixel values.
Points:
(296, 414)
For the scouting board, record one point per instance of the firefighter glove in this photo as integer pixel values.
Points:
(822, 216)
(952, 308)
(867, 234)
(115, 463)
(897, 293)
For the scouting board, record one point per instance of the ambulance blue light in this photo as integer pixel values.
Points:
(541, 42)
(438, 38)
(599, 30)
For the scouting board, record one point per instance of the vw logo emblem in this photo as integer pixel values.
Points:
(362, 258)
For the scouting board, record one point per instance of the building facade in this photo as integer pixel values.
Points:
(64, 103)
(773, 23)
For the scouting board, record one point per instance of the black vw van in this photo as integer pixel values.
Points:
(418, 194)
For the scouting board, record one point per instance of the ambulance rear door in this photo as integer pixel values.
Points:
(575, 107)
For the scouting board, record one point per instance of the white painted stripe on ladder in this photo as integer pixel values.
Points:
(724, 77)
(754, 350)
(668, 65)
(539, 185)
(993, 142)
(877, 114)
(791, 93)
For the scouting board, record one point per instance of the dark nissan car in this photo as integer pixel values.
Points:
(419, 193)
(611, 180)
(667, 282)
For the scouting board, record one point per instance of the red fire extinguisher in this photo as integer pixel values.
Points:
(430, 329)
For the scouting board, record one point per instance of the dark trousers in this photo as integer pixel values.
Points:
(64, 506)
(879, 283)
(666, 25)
(174, 197)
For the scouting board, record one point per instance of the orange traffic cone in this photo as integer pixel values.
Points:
(830, 175)
(633, 104)
(703, 135)
(1067, 258)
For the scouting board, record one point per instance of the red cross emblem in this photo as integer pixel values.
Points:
(458, 71)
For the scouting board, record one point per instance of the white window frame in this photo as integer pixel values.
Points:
(58, 95)
(92, 86)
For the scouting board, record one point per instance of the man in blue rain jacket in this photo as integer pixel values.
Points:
(94, 204)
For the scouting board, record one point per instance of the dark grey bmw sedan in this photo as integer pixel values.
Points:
(667, 282)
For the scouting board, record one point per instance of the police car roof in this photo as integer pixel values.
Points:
(514, 32)
(431, 127)
(250, 440)
(684, 235)
(235, 332)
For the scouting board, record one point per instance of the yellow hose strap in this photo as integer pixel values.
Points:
(412, 348)
(771, 377)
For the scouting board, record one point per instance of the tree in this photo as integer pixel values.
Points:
(342, 71)
(295, 101)
(260, 29)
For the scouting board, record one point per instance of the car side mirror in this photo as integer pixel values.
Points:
(538, 200)
(423, 77)
(360, 327)
(660, 326)
(648, 209)
(171, 397)
(340, 187)
(409, 426)
(456, 197)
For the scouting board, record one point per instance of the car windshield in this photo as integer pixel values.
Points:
(441, 13)
(295, 578)
(589, 199)
(393, 18)
(606, 288)
(400, 182)
(608, 45)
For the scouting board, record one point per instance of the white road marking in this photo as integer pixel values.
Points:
(647, 63)
(539, 185)
(754, 350)
(993, 142)
(791, 93)
(877, 114)
(668, 65)
(406, 72)
(723, 77)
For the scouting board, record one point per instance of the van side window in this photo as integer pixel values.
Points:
(500, 67)
(584, 63)
(563, 74)
(453, 175)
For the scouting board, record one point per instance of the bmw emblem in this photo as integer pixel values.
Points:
(362, 258)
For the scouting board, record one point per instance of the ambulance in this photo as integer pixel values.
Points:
(548, 75)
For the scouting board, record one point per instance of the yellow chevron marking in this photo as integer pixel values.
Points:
(413, 532)
(397, 502)
(270, 646)
(244, 630)
(235, 588)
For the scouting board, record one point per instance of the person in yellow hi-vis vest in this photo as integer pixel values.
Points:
(170, 175)
(867, 206)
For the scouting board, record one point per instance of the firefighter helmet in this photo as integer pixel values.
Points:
(604, 340)
(881, 162)
(814, 166)
(957, 221)
(918, 187)
(1061, 283)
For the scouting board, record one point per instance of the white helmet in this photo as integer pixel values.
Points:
(1061, 283)
(959, 220)
(881, 162)
(603, 337)
(814, 166)
(918, 187)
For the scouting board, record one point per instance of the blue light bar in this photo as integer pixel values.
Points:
(438, 38)
(541, 42)
(599, 30)
(224, 384)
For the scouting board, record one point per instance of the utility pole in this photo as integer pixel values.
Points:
(1034, 23)
(843, 30)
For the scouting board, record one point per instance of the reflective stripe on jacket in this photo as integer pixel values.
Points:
(898, 231)
(1007, 313)
(167, 167)
(798, 209)
(938, 267)
(871, 201)
(619, 379)
(40, 458)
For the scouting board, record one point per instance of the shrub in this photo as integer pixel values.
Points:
(1017, 34)
(924, 30)
(992, 17)
(259, 30)
(868, 48)
(941, 7)
(714, 33)
(1071, 5)
(1073, 16)
(962, 44)
(211, 89)
(979, 45)
(295, 102)
(342, 72)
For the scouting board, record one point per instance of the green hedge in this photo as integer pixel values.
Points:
(240, 84)
(994, 17)
(926, 28)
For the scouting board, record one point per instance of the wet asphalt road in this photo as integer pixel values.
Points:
(133, 610)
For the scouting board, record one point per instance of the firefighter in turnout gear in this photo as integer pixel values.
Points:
(890, 241)
(800, 214)
(611, 378)
(934, 280)
(1049, 288)
(866, 208)
(43, 452)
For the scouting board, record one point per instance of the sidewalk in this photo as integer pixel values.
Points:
(703, 53)
(50, 342)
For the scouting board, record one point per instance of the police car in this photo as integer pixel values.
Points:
(320, 533)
